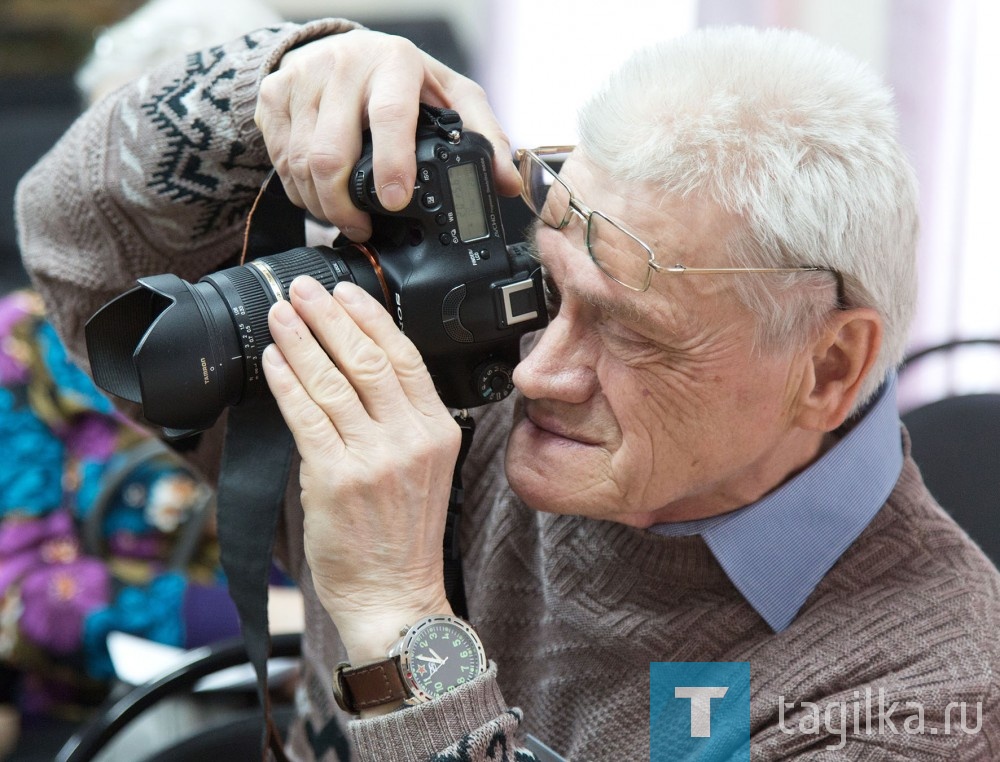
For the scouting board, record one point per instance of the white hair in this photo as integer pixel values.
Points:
(797, 139)
(163, 29)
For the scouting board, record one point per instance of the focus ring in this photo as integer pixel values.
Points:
(256, 304)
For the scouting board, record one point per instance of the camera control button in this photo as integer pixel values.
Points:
(429, 200)
(442, 153)
(425, 174)
(445, 238)
(441, 219)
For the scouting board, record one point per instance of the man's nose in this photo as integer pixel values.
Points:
(559, 364)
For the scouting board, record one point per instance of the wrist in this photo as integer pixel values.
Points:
(368, 635)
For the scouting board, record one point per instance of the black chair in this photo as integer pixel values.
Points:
(956, 444)
(235, 735)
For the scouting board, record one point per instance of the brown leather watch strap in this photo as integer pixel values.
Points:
(369, 685)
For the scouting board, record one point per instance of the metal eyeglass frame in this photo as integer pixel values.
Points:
(575, 206)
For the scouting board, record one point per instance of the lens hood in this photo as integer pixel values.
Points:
(170, 346)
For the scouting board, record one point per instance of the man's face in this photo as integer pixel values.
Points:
(654, 406)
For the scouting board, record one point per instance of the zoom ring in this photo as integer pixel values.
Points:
(302, 261)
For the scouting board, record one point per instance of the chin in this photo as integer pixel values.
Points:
(532, 479)
(546, 475)
(538, 496)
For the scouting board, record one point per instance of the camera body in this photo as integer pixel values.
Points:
(441, 267)
(452, 285)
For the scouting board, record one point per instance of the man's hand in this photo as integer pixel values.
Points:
(378, 453)
(312, 111)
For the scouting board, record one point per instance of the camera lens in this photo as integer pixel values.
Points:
(187, 351)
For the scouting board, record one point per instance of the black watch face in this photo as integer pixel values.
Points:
(440, 654)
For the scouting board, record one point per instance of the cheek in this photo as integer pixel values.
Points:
(660, 397)
(654, 413)
(675, 416)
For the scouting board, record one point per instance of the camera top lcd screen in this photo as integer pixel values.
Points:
(468, 200)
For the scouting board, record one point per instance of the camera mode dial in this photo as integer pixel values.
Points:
(494, 380)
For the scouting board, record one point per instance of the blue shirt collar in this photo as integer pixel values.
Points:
(776, 551)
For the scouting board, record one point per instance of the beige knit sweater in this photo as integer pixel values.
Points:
(158, 178)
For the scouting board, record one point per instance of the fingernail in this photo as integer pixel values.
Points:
(284, 313)
(357, 234)
(393, 196)
(273, 356)
(348, 293)
(308, 289)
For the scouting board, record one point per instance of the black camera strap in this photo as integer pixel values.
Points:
(256, 458)
(454, 585)
(445, 121)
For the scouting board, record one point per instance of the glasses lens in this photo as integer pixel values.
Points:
(618, 253)
(543, 192)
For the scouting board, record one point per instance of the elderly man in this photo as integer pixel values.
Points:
(704, 462)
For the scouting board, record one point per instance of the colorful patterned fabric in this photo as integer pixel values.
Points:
(101, 527)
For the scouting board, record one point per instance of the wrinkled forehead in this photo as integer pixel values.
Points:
(689, 230)
(656, 220)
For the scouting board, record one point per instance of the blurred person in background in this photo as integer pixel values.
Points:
(101, 527)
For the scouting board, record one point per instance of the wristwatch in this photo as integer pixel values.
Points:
(433, 656)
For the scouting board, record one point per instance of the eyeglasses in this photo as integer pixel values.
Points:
(618, 253)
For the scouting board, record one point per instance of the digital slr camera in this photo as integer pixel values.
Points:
(441, 266)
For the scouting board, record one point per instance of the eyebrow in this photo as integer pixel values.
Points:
(625, 311)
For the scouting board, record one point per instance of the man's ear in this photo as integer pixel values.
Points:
(842, 357)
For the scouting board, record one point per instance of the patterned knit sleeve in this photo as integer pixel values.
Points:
(157, 177)
(470, 724)
(491, 742)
